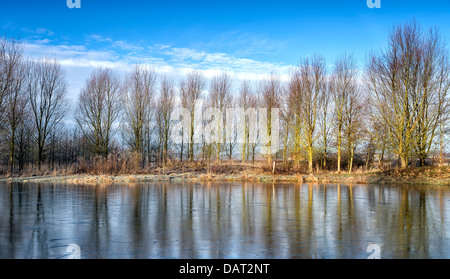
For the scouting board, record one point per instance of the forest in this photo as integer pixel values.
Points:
(391, 113)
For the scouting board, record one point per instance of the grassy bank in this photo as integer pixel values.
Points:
(422, 175)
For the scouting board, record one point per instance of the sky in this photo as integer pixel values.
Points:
(247, 39)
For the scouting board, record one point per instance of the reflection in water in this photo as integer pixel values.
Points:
(228, 220)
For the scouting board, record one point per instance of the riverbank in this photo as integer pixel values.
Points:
(423, 175)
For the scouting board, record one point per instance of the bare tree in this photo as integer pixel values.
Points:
(165, 107)
(309, 85)
(245, 93)
(408, 83)
(377, 132)
(191, 90)
(443, 132)
(99, 108)
(231, 128)
(326, 117)
(46, 88)
(270, 93)
(10, 61)
(220, 98)
(23, 141)
(296, 120)
(253, 131)
(12, 95)
(17, 103)
(138, 97)
(286, 111)
(343, 80)
(434, 85)
(354, 119)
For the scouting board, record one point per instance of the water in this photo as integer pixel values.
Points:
(224, 220)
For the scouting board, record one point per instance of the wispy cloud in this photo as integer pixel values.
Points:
(213, 63)
(119, 44)
(80, 59)
(244, 44)
(40, 48)
(183, 54)
(98, 38)
(38, 31)
(127, 46)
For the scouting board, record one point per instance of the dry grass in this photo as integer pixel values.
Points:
(114, 164)
(126, 167)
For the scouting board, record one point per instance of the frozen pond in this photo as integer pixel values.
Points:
(223, 220)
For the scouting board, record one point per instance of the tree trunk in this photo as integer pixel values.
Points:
(310, 160)
(421, 161)
(11, 149)
(218, 153)
(351, 161)
(182, 145)
(339, 160)
(339, 153)
(403, 161)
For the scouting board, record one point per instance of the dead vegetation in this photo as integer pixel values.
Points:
(126, 169)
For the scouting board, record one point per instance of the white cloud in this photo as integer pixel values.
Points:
(183, 54)
(159, 46)
(39, 48)
(127, 46)
(80, 60)
(115, 44)
(98, 38)
(38, 31)
(213, 63)
(93, 63)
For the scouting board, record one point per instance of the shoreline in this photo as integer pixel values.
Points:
(423, 176)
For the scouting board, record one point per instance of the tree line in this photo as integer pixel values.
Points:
(393, 111)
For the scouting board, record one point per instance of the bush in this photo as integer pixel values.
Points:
(114, 164)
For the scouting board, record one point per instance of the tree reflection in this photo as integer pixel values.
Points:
(228, 220)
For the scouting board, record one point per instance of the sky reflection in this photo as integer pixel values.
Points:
(228, 220)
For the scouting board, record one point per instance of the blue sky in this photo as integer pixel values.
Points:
(246, 38)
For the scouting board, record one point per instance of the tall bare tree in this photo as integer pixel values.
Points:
(165, 107)
(13, 99)
(296, 120)
(326, 117)
(23, 141)
(253, 130)
(17, 104)
(377, 131)
(139, 86)
(220, 97)
(191, 89)
(408, 82)
(10, 61)
(270, 92)
(434, 85)
(46, 89)
(231, 128)
(245, 94)
(354, 121)
(343, 79)
(99, 109)
(309, 85)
